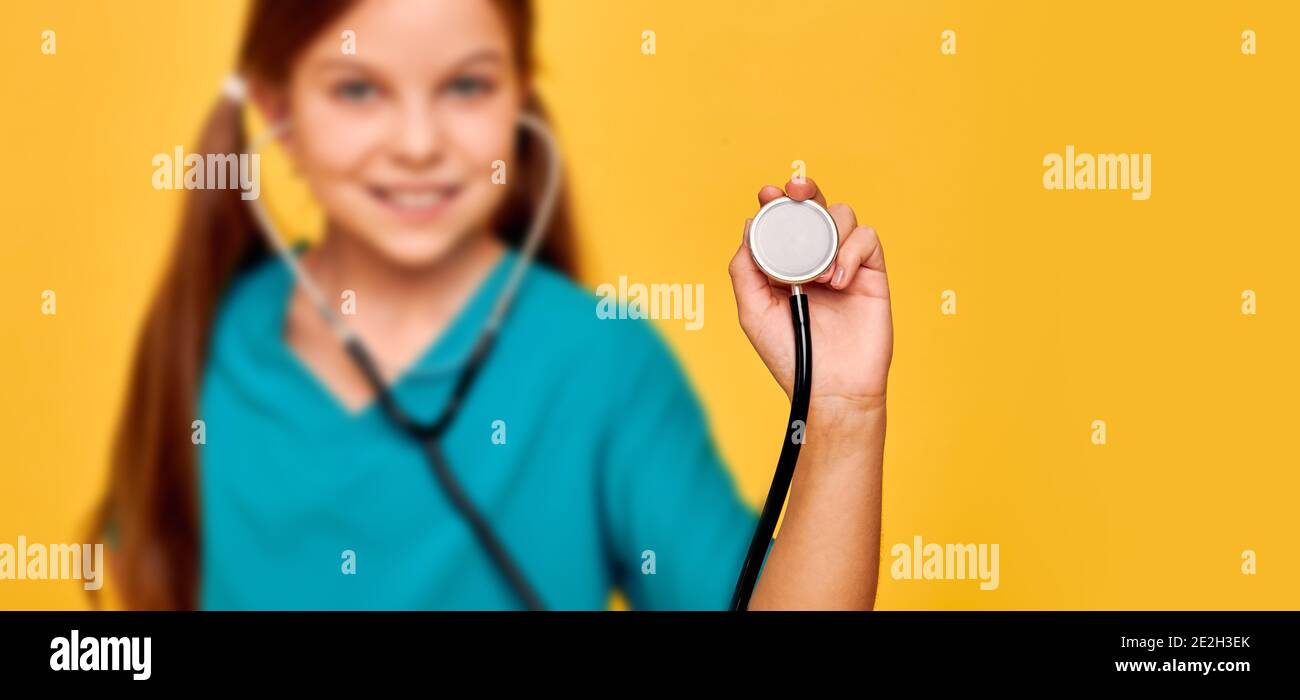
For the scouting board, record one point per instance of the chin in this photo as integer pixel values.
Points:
(416, 248)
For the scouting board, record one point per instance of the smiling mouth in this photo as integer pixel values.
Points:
(416, 202)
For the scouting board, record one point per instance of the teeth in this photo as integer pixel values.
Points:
(415, 200)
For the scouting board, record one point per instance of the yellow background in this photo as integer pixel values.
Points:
(1072, 306)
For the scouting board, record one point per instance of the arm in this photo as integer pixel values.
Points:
(827, 551)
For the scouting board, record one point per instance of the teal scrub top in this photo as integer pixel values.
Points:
(581, 442)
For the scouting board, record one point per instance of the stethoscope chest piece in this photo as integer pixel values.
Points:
(792, 241)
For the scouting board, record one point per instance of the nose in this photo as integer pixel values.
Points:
(418, 137)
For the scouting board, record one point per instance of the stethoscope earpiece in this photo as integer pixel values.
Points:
(793, 241)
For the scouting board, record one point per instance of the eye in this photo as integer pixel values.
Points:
(356, 90)
(469, 86)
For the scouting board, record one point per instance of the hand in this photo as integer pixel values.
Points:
(852, 327)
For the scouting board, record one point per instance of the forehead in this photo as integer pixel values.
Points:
(413, 37)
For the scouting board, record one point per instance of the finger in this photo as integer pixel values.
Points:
(804, 189)
(862, 249)
(845, 222)
(767, 193)
(751, 285)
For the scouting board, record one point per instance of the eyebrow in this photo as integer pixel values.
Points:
(490, 55)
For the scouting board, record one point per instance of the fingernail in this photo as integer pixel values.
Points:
(839, 276)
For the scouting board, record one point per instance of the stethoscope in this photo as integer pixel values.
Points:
(792, 242)
(428, 435)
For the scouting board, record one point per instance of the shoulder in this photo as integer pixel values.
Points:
(253, 299)
(264, 278)
(556, 311)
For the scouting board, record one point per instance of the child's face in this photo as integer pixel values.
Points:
(397, 141)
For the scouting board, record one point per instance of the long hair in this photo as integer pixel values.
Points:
(151, 505)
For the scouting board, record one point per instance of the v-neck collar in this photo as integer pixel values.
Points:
(415, 389)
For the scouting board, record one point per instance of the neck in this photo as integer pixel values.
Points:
(391, 295)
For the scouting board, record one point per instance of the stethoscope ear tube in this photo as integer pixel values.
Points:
(796, 427)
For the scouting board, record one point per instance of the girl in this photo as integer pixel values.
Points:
(305, 495)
